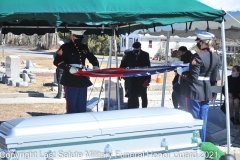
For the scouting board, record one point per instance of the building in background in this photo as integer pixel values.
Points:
(155, 44)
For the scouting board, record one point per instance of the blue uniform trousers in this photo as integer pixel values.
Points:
(76, 99)
(199, 110)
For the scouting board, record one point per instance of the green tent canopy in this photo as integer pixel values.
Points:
(99, 16)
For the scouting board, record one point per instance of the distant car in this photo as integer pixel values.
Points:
(156, 57)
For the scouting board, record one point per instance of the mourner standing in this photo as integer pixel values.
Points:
(177, 99)
(59, 73)
(196, 85)
(234, 94)
(136, 86)
(71, 57)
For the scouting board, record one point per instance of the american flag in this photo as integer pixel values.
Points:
(129, 71)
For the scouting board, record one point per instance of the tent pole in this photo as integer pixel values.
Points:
(222, 75)
(165, 73)
(109, 66)
(226, 88)
(115, 50)
(126, 40)
(3, 44)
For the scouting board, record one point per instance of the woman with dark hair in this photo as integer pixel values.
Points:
(234, 94)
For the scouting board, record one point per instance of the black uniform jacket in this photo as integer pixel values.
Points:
(69, 54)
(233, 86)
(130, 59)
(186, 59)
(201, 65)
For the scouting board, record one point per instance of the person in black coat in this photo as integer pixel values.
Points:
(234, 94)
(59, 73)
(71, 57)
(186, 54)
(195, 83)
(176, 94)
(136, 86)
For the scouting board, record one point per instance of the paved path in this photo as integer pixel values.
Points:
(154, 98)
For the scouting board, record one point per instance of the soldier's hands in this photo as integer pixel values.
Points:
(73, 70)
(179, 70)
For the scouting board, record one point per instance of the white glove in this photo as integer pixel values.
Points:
(96, 68)
(73, 70)
(77, 65)
(180, 70)
(185, 69)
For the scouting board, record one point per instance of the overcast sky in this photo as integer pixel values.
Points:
(227, 5)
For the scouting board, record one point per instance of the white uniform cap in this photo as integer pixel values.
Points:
(203, 35)
(79, 33)
(60, 43)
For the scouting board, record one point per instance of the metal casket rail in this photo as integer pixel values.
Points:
(100, 135)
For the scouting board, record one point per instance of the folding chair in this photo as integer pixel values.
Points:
(216, 90)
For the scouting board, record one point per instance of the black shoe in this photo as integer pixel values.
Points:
(59, 97)
(238, 122)
(232, 120)
(126, 95)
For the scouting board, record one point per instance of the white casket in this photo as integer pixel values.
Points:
(149, 133)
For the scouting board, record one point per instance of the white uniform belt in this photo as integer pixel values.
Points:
(76, 65)
(203, 78)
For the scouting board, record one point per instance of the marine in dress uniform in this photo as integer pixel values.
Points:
(71, 57)
(195, 83)
(136, 86)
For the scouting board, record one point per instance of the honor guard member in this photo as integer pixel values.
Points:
(59, 73)
(195, 83)
(71, 57)
(136, 86)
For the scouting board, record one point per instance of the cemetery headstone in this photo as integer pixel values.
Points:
(113, 92)
(25, 77)
(29, 65)
(95, 105)
(12, 66)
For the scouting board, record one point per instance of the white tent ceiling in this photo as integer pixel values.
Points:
(232, 23)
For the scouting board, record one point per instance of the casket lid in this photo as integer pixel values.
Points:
(49, 127)
(69, 126)
(135, 120)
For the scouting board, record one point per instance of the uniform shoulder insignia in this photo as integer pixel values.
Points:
(194, 62)
(60, 52)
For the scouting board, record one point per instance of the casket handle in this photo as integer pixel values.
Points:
(164, 144)
(196, 138)
(108, 150)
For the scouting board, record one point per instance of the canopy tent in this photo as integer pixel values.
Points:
(97, 17)
(102, 16)
(232, 25)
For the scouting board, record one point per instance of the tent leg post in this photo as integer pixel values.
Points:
(226, 88)
(109, 66)
(165, 73)
(115, 50)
